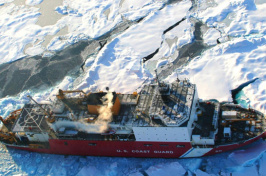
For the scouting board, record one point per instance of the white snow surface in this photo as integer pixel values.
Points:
(118, 65)
(172, 40)
(242, 58)
(33, 2)
(84, 19)
(166, 169)
(134, 10)
(226, 66)
(17, 29)
(243, 17)
(211, 36)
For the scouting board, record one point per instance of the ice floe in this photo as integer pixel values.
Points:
(125, 52)
(166, 169)
(17, 30)
(134, 10)
(226, 66)
(211, 37)
(21, 35)
(33, 2)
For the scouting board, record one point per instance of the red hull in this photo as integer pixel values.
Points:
(224, 148)
(114, 148)
(128, 148)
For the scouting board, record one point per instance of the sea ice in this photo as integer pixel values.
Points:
(2, 2)
(83, 19)
(35, 50)
(145, 37)
(17, 30)
(249, 170)
(199, 172)
(136, 174)
(226, 66)
(247, 157)
(243, 20)
(134, 10)
(193, 164)
(33, 2)
(217, 71)
(211, 36)
(262, 164)
(166, 169)
(89, 171)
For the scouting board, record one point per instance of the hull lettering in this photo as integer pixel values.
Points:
(165, 152)
(140, 151)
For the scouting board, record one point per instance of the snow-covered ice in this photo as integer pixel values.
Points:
(145, 37)
(17, 29)
(84, 20)
(134, 10)
(199, 172)
(211, 36)
(236, 53)
(226, 66)
(246, 157)
(166, 169)
(33, 2)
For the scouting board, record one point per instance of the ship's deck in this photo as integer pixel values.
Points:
(204, 125)
(138, 110)
(31, 119)
(246, 125)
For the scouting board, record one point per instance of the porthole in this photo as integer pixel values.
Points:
(164, 145)
(180, 146)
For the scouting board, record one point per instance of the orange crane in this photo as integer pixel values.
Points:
(11, 117)
(8, 136)
(3, 120)
(61, 93)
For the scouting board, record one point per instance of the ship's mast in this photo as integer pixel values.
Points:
(50, 119)
(157, 78)
(163, 88)
(45, 112)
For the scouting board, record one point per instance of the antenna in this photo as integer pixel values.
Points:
(45, 112)
(157, 78)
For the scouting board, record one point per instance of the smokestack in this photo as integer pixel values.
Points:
(100, 125)
(105, 112)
